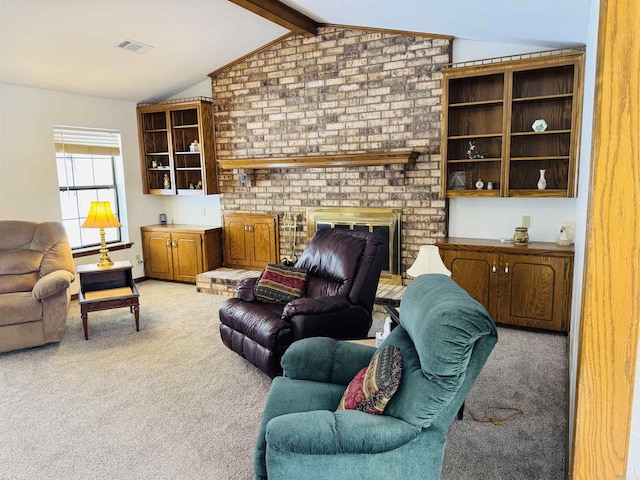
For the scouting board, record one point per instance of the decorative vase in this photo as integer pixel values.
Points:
(479, 184)
(542, 182)
(521, 237)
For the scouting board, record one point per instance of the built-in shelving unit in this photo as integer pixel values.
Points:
(172, 162)
(489, 109)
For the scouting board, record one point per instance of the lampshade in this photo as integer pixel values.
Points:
(101, 216)
(428, 261)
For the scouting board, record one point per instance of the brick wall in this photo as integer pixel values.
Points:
(343, 91)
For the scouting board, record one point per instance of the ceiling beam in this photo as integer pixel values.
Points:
(282, 14)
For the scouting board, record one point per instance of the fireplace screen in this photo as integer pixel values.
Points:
(383, 221)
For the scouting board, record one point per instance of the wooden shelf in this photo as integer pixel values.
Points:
(546, 132)
(519, 159)
(325, 161)
(474, 192)
(468, 160)
(542, 97)
(477, 104)
(480, 135)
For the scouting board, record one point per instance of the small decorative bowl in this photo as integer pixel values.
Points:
(539, 125)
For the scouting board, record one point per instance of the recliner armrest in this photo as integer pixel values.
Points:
(52, 283)
(323, 359)
(245, 289)
(315, 306)
(322, 432)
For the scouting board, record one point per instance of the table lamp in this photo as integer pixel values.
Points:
(101, 216)
(428, 261)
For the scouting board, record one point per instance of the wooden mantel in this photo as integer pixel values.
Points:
(324, 161)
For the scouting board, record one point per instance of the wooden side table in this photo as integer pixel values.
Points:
(104, 288)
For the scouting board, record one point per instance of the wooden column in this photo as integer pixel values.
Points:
(611, 292)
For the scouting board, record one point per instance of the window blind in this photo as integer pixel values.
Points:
(86, 141)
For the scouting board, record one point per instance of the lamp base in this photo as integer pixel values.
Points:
(104, 261)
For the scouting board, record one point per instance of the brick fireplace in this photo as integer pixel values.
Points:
(344, 91)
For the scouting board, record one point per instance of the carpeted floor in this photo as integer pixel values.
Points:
(172, 402)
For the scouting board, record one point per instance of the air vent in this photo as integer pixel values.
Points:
(135, 47)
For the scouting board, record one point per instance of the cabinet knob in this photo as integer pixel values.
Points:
(506, 268)
(168, 243)
(494, 269)
(173, 244)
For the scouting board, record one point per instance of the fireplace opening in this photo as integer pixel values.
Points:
(383, 221)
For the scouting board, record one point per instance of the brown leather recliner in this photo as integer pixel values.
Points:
(343, 271)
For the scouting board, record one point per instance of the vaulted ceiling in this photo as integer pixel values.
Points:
(71, 45)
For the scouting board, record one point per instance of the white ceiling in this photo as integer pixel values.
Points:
(70, 45)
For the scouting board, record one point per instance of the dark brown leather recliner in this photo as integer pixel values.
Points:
(343, 271)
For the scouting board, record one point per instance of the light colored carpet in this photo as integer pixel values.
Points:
(172, 402)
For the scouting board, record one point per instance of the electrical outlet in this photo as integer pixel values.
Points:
(203, 212)
(526, 221)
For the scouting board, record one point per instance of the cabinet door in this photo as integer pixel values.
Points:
(156, 248)
(477, 273)
(533, 291)
(236, 251)
(187, 256)
(262, 242)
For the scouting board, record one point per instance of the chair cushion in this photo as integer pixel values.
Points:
(373, 386)
(280, 283)
(262, 322)
(19, 307)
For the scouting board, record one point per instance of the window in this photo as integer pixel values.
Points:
(87, 163)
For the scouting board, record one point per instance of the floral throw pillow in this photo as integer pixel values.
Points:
(373, 386)
(280, 284)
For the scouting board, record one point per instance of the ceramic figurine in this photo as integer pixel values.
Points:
(167, 181)
(563, 239)
(473, 153)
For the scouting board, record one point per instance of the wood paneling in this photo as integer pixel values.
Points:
(610, 306)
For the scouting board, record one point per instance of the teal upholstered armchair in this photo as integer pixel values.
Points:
(445, 338)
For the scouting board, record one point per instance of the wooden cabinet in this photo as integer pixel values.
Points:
(172, 162)
(489, 111)
(180, 252)
(528, 286)
(250, 240)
